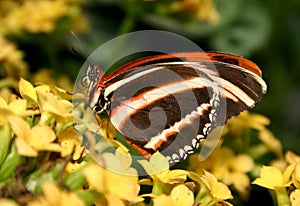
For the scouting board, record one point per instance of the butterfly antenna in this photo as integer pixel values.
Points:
(82, 46)
(73, 50)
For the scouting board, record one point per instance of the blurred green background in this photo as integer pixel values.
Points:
(265, 31)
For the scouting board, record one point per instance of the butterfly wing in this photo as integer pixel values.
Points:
(170, 107)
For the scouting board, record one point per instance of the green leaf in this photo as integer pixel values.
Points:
(35, 180)
(243, 29)
(4, 142)
(75, 180)
(90, 196)
(12, 161)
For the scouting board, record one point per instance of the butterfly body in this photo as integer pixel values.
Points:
(171, 102)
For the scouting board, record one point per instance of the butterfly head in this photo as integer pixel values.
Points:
(92, 75)
(90, 82)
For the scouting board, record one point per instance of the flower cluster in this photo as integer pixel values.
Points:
(19, 18)
(35, 16)
(37, 135)
(237, 158)
(284, 181)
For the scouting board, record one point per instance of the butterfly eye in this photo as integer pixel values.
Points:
(93, 73)
(85, 82)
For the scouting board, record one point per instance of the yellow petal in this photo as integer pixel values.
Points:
(70, 134)
(52, 193)
(157, 164)
(43, 88)
(119, 162)
(242, 163)
(27, 91)
(95, 176)
(39, 201)
(24, 149)
(55, 196)
(18, 106)
(69, 198)
(258, 121)
(182, 196)
(217, 189)
(296, 177)
(69, 140)
(267, 137)
(7, 202)
(295, 197)
(163, 200)
(270, 177)
(291, 157)
(20, 127)
(72, 167)
(113, 200)
(124, 187)
(279, 163)
(288, 173)
(3, 103)
(241, 183)
(67, 148)
(41, 137)
(124, 158)
(173, 176)
(63, 94)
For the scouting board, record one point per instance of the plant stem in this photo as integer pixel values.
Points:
(282, 196)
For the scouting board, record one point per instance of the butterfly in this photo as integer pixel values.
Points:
(171, 102)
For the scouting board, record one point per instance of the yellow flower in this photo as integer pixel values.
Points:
(226, 167)
(112, 185)
(72, 167)
(53, 107)
(163, 200)
(35, 16)
(7, 202)
(296, 176)
(7, 94)
(31, 140)
(272, 143)
(157, 164)
(53, 196)
(17, 107)
(27, 90)
(179, 196)
(158, 168)
(295, 197)
(279, 163)
(291, 157)
(49, 101)
(273, 178)
(203, 10)
(209, 191)
(217, 189)
(70, 143)
(163, 179)
(246, 121)
(119, 162)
